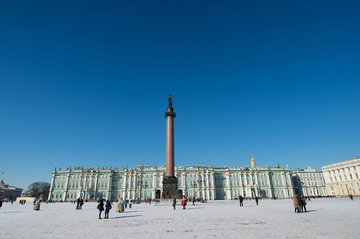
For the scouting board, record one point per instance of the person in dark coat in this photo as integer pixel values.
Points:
(78, 203)
(241, 199)
(81, 203)
(302, 203)
(100, 207)
(107, 209)
(0, 203)
(174, 203)
(257, 200)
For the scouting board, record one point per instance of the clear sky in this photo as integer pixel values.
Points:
(86, 83)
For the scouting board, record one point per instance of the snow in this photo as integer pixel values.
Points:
(326, 218)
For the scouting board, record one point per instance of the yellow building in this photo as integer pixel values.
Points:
(342, 179)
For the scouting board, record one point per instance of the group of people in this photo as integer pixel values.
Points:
(241, 200)
(101, 206)
(299, 203)
(122, 204)
(22, 202)
(183, 202)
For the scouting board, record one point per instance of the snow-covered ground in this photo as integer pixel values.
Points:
(326, 218)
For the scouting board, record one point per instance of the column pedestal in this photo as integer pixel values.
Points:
(170, 189)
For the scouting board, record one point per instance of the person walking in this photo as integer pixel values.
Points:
(107, 209)
(100, 207)
(193, 201)
(184, 202)
(257, 200)
(241, 199)
(174, 203)
(296, 203)
(351, 197)
(0, 203)
(130, 203)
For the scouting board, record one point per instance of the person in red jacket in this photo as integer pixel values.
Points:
(184, 202)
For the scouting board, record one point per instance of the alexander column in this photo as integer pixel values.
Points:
(169, 180)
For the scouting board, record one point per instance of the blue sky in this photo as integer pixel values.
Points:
(86, 83)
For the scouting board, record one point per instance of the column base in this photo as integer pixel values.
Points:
(170, 189)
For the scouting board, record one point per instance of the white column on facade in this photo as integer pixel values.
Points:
(203, 185)
(241, 185)
(154, 184)
(66, 187)
(270, 184)
(257, 193)
(51, 187)
(183, 183)
(212, 178)
(228, 186)
(96, 184)
(124, 186)
(207, 185)
(84, 186)
(284, 185)
(291, 190)
(109, 191)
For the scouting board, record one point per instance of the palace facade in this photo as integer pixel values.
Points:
(143, 182)
(309, 182)
(342, 179)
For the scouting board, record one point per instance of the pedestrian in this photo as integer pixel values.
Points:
(174, 203)
(257, 200)
(100, 207)
(0, 203)
(296, 203)
(37, 205)
(193, 201)
(241, 199)
(302, 203)
(107, 209)
(130, 203)
(78, 204)
(81, 203)
(351, 197)
(120, 206)
(184, 202)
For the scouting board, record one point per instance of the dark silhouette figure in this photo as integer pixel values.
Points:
(100, 207)
(241, 199)
(78, 203)
(257, 201)
(107, 209)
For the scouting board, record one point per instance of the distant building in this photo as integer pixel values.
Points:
(309, 182)
(342, 179)
(209, 183)
(8, 193)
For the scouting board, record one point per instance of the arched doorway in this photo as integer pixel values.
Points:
(180, 193)
(157, 195)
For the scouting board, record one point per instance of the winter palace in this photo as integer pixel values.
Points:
(143, 182)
